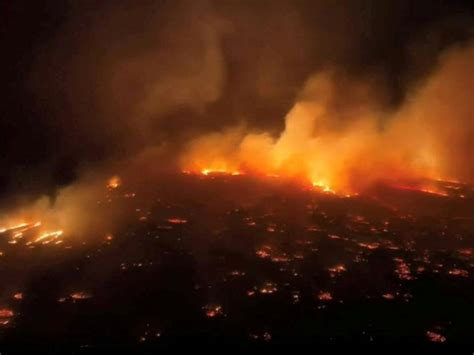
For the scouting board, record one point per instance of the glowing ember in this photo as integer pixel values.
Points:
(435, 337)
(237, 273)
(263, 252)
(176, 220)
(295, 296)
(336, 270)
(459, 272)
(114, 182)
(370, 246)
(6, 313)
(388, 296)
(213, 311)
(324, 296)
(18, 296)
(465, 252)
(80, 295)
(403, 270)
(268, 288)
(20, 228)
(280, 259)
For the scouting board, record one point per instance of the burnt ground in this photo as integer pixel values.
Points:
(232, 259)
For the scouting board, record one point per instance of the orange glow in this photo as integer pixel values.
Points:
(325, 296)
(213, 311)
(459, 272)
(176, 220)
(323, 186)
(340, 141)
(114, 182)
(220, 171)
(337, 269)
(268, 288)
(48, 236)
(80, 295)
(31, 233)
(6, 313)
(370, 246)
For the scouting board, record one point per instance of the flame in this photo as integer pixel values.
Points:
(31, 232)
(323, 186)
(48, 236)
(220, 171)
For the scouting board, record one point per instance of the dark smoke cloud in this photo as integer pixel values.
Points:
(88, 83)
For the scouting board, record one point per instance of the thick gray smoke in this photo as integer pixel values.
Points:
(104, 82)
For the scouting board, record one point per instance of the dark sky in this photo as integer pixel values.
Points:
(90, 81)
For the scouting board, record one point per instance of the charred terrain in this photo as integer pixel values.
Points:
(234, 258)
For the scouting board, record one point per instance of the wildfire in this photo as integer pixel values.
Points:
(32, 233)
(48, 236)
(403, 270)
(19, 228)
(333, 185)
(342, 151)
(220, 171)
(323, 186)
(370, 246)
